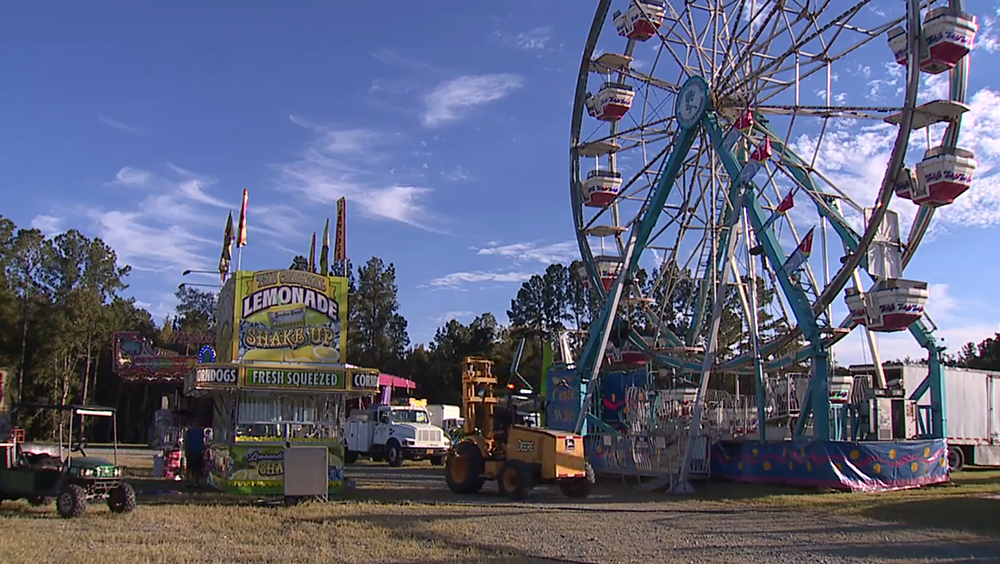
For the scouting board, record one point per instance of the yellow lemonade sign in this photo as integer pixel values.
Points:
(289, 316)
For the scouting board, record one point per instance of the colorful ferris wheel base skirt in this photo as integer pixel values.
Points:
(848, 466)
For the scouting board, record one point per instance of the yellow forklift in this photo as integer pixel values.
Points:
(498, 445)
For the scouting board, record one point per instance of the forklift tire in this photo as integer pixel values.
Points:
(122, 499)
(394, 453)
(464, 469)
(437, 460)
(38, 501)
(956, 459)
(72, 502)
(350, 457)
(579, 488)
(515, 480)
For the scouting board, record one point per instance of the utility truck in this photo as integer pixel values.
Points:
(394, 433)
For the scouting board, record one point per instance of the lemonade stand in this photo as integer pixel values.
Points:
(277, 378)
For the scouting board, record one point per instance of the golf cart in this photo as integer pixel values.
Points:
(39, 472)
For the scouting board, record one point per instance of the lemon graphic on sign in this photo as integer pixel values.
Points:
(240, 475)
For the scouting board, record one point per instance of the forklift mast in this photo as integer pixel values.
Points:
(478, 398)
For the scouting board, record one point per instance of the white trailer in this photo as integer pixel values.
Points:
(972, 407)
(440, 413)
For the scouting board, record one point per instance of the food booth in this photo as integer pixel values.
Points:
(277, 378)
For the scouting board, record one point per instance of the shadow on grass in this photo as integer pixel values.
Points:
(957, 513)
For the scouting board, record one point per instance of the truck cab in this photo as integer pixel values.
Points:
(394, 433)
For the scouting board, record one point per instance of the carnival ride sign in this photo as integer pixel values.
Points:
(287, 316)
(135, 357)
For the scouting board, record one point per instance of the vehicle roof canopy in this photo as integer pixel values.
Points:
(78, 409)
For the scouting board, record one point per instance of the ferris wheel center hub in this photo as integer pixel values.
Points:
(691, 102)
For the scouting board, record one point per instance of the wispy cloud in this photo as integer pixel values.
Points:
(456, 174)
(854, 159)
(538, 38)
(450, 315)
(350, 163)
(531, 251)
(452, 99)
(49, 225)
(163, 230)
(119, 125)
(146, 246)
(457, 280)
(407, 63)
(128, 176)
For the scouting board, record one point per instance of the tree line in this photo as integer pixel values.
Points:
(62, 298)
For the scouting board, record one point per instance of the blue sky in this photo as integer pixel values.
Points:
(444, 123)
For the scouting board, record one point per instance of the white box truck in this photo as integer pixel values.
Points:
(972, 406)
(449, 418)
(393, 433)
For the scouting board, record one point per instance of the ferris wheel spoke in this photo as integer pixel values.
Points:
(797, 46)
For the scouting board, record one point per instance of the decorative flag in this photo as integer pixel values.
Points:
(786, 204)
(340, 243)
(741, 126)
(227, 248)
(241, 237)
(757, 158)
(800, 255)
(324, 253)
(312, 254)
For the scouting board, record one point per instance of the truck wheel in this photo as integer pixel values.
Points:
(515, 480)
(579, 488)
(350, 456)
(122, 499)
(437, 460)
(956, 459)
(464, 468)
(38, 501)
(394, 454)
(72, 502)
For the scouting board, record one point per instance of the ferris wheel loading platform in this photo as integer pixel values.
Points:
(641, 433)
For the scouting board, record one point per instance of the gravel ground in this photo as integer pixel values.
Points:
(620, 524)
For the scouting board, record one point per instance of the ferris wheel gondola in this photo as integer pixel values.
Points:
(711, 171)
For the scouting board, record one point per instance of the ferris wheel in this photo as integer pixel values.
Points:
(707, 169)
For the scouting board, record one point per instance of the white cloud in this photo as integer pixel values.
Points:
(49, 225)
(986, 38)
(853, 349)
(129, 176)
(564, 252)
(456, 174)
(281, 221)
(119, 125)
(949, 312)
(351, 163)
(159, 232)
(453, 315)
(855, 158)
(451, 99)
(537, 38)
(146, 247)
(942, 304)
(458, 279)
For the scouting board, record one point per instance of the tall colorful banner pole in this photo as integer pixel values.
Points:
(340, 244)
(241, 234)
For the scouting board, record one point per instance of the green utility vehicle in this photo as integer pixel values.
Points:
(40, 472)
